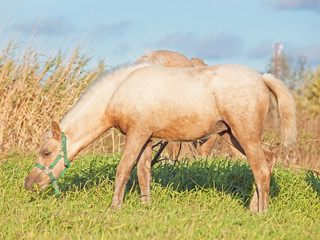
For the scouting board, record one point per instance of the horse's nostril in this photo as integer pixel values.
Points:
(28, 184)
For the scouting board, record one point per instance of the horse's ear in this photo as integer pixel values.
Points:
(56, 131)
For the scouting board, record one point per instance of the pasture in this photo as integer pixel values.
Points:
(199, 199)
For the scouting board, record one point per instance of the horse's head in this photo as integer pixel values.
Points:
(198, 62)
(51, 152)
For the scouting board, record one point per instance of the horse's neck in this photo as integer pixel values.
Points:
(87, 119)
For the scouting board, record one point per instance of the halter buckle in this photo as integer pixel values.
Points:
(47, 170)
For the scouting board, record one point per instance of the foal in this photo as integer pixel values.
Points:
(176, 104)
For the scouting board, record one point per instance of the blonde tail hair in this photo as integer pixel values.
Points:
(286, 108)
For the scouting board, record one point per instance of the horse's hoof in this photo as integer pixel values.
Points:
(115, 207)
(255, 209)
(145, 200)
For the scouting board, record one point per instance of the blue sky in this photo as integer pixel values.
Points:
(121, 31)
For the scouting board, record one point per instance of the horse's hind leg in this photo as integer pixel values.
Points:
(261, 162)
(271, 159)
(144, 173)
(237, 149)
(134, 147)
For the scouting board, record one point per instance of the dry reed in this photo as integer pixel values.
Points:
(35, 92)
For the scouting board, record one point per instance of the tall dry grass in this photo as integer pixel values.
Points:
(307, 149)
(34, 91)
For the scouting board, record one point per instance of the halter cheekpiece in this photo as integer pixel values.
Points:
(48, 170)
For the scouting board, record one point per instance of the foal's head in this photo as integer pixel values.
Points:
(49, 151)
(198, 62)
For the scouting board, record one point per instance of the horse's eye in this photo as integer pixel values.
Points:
(46, 154)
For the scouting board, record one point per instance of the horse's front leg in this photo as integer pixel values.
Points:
(134, 147)
(144, 173)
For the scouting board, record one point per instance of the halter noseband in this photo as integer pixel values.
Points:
(48, 170)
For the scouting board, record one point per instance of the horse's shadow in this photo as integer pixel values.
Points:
(225, 175)
(313, 178)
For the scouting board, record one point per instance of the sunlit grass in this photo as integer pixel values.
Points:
(200, 199)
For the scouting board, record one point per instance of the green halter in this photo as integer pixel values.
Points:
(48, 170)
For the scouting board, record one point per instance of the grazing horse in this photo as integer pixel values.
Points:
(166, 58)
(201, 148)
(177, 104)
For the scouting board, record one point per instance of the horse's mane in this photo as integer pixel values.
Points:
(102, 83)
(117, 74)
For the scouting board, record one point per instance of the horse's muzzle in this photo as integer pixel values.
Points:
(28, 183)
(36, 176)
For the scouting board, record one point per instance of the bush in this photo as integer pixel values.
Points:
(309, 98)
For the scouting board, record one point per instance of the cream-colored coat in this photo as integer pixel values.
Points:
(178, 104)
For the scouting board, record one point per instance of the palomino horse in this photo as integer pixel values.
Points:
(177, 104)
(168, 58)
(201, 148)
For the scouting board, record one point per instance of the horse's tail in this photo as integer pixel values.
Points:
(286, 108)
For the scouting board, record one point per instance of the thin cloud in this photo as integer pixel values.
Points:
(115, 30)
(312, 53)
(213, 46)
(262, 50)
(45, 26)
(121, 49)
(63, 27)
(295, 4)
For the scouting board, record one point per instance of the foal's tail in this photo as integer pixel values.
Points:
(286, 108)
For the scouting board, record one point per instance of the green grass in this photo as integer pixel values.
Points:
(196, 200)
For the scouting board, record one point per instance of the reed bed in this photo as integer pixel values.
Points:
(35, 91)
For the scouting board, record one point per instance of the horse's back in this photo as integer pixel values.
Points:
(241, 87)
(166, 58)
(159, 85)
(158, 97)
(229, 81)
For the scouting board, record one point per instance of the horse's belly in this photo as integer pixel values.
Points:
(172, 123)
(186, 128)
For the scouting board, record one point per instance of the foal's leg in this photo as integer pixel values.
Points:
(271, 159)
(206, 147)
(134, 147)
(261, 170)
(231, 140)
(262, 174)
(144, 173)
(261, 162)
(173, 150)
